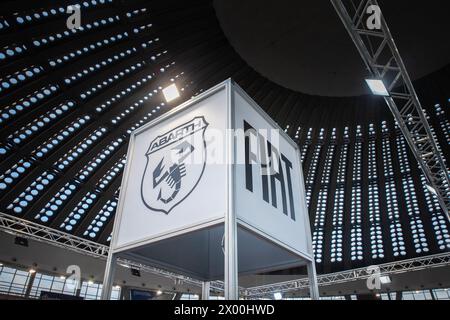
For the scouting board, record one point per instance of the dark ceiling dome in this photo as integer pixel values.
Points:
(303, 45)
(70, 99)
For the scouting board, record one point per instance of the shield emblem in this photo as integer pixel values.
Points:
(175, 163)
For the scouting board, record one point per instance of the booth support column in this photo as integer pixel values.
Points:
(312, 277)
(205, 290)
(231, 265)
(108, 279)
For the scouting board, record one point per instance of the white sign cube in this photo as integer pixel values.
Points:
(268, 178)
(186, 171)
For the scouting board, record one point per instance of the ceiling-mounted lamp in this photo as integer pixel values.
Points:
(171, 92)
(377, 87)
(20, 241)
(385, 279)
(431, 189)
(277, 296)
(32, 269)
(135, 272)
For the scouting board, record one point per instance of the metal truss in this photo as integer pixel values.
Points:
(19, 227)
(178, 279)
(27, 229)
(382, 59)
(416, 264)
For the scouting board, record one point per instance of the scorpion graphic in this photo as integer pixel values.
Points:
(172, 177)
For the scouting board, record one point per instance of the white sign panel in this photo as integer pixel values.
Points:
(268, 179)
(213, 189)
(172, 181)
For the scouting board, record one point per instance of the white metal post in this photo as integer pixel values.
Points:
(231, 268)
(312, 277)
(206, 285)
(109, 276)
(231, 264)
(311, 266)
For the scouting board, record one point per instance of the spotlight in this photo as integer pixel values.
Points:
(31, 270)
(62, 277)
(159, 292)
(385, 279)
(277, 296)
(21, 241)
(135, 272)
(171, 92)
(125, 265)
(377, 86)
(90, 282)
(431, 189)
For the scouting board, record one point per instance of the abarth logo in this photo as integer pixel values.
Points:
(175, 164)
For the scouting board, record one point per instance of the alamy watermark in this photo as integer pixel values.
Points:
(73, 281)
(374, 20)
(74, 20)
(376, 279)
(261, 146)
